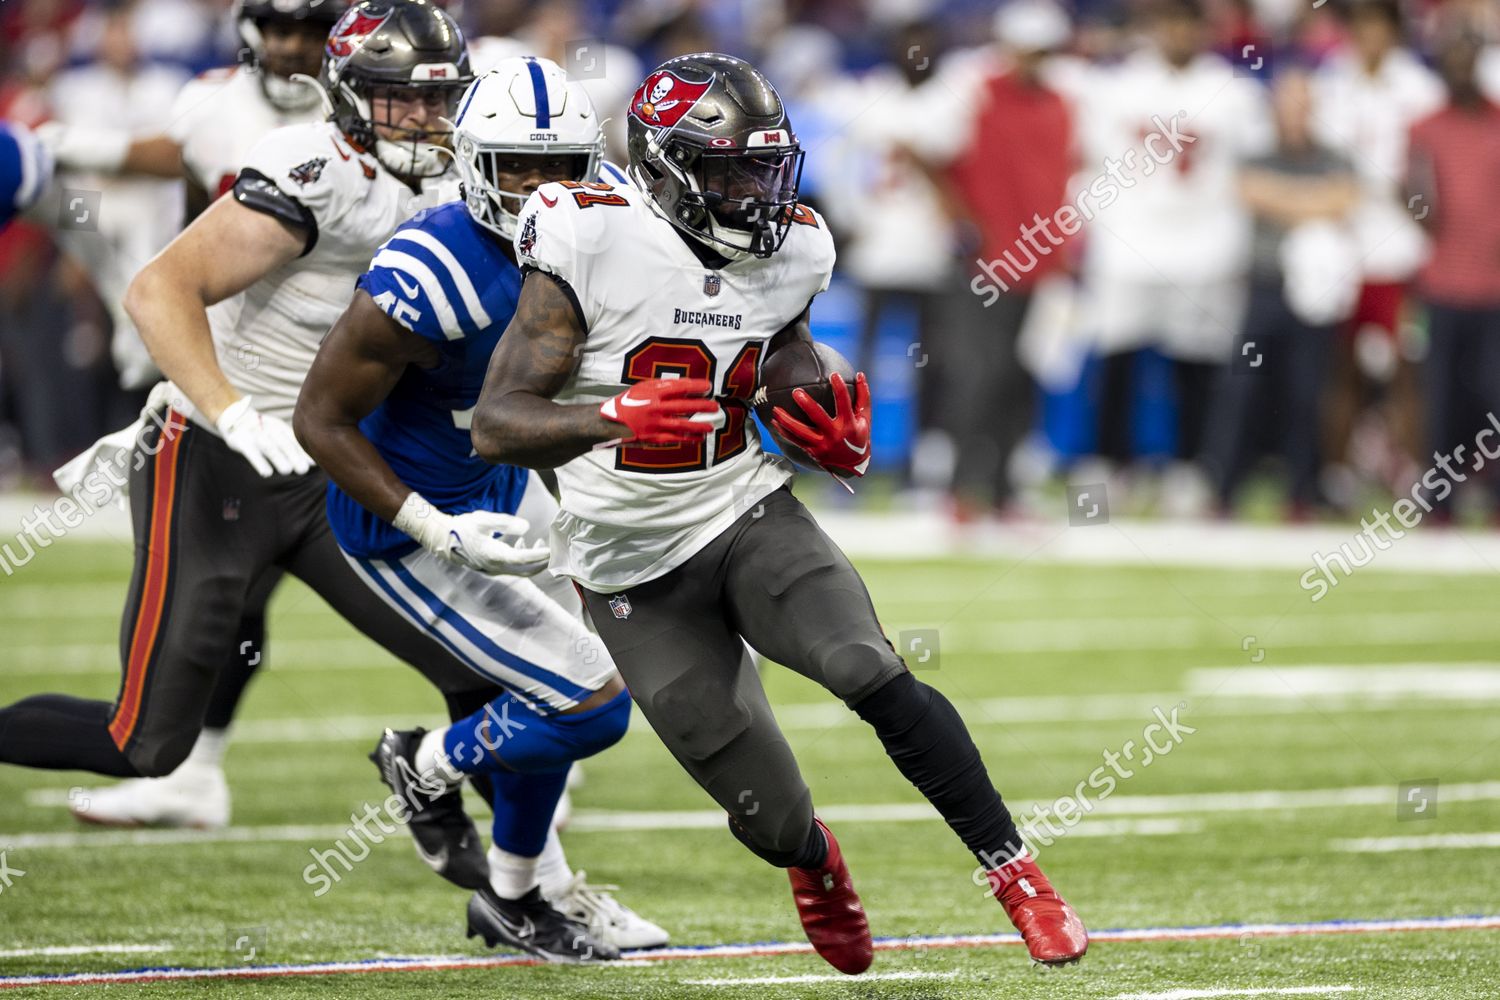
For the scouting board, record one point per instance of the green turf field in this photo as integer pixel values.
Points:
(1052, 665)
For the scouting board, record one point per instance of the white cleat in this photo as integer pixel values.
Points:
(194, 795)
(606, 917)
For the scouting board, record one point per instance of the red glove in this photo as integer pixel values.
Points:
(658, 410)
(840, 443)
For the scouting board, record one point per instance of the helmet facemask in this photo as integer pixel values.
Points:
(286, 92)
(409, 153)
(740, 202)
(481, 165)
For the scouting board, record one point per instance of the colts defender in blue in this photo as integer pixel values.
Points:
(455, 544)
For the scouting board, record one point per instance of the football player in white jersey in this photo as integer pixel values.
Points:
(637, 337)
(216, 120)
(224, 500)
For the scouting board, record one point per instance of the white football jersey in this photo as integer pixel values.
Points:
(268, 336)
(218, 118)
(1180, 220)
(652, 309)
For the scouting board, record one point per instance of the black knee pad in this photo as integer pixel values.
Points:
(854, 670)
(705, 715)
(778, 833)
(158, 755)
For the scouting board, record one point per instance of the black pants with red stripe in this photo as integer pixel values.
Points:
(212, 539)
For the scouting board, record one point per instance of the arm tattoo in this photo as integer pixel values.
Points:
(516, 422)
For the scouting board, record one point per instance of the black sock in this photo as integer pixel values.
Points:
(926, 738)
(61, 733)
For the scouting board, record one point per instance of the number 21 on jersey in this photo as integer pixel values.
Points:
(662, 357)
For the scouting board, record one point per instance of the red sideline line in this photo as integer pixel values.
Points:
(762, 950)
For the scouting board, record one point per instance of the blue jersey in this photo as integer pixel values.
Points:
(447, 279)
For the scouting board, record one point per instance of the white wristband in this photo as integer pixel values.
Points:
(421, 520)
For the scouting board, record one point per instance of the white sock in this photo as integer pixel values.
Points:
(552, 871)
(511, 876)
(430, 757)
(209, 750)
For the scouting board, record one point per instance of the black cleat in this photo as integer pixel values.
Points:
(530, 924)
(445, 836)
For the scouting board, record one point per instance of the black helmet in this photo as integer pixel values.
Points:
(251, 17)
(712, 146)
(400, 44)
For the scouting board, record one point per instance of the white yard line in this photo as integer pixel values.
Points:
(1283, 991)
(797, 980)
(1427, 842)
(87, 949)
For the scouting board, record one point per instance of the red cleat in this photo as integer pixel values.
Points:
(832, 916)
(1052, 931)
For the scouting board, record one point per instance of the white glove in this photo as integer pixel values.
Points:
(470, 539)
(82, 147)
(267, 442)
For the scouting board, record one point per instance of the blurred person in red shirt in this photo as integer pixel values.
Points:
(1454, 160)
(1007, 183)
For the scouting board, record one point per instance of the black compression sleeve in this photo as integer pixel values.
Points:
(255, 190)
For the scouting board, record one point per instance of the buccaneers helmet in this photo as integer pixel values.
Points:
(404, 45)
(711, 144)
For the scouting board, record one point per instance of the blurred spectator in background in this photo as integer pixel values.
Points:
(1303, 281)
(1455, 161)
(890, 214)
(1170, 127)
(1008, 180)
(132, 217)
(557, 30)
(1366, 97)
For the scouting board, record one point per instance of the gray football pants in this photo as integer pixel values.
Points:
(776, 579)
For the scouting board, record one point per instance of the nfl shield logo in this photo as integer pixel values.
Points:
(711, 285)
(620, 605)
(232, 508)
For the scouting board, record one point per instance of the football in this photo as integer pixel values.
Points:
(798, 365)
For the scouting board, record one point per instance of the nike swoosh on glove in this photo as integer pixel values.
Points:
(267, 442)
(478, 539)
(662, 410)
(840, 443)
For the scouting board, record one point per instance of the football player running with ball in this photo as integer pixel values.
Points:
(642, 308)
